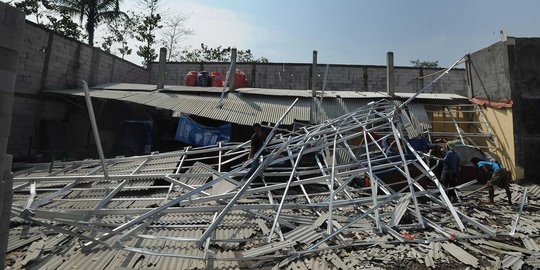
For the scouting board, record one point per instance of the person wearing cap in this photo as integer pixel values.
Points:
(499, 177)
(450, 172)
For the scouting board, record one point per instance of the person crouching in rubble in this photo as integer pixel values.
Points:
(450, 172)
(499, 177)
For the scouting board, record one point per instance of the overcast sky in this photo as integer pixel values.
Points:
(356, 31)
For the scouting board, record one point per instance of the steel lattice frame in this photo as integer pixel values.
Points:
(77, 199)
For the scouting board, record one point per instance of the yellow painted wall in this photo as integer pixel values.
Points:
(503, 127)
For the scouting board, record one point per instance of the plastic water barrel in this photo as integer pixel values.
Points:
(203, 79)
(191, 78)
(217, 79)
(241, 79)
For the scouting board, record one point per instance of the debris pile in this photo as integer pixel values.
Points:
(350, 193)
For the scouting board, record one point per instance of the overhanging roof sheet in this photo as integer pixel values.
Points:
(247, 105)
(237, 108)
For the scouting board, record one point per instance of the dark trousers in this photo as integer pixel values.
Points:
(449, 180)
(500, 178)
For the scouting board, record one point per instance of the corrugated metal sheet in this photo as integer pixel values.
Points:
(334, 107)
(355, 94)
(126, 86)
(432, 96)
(419, 116)
(193, 89)
(303, 234)
(251, 105)
(254, 252)
(275, 92)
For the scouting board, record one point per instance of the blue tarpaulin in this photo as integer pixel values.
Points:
(193, 133)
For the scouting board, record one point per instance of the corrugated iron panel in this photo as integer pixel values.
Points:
(432, 96)
(419, 116)
(275, 92)
(254, 252)
(354, 94)
(303, 234)
(192, 89)
(126, 86)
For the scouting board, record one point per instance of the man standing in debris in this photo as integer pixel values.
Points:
(499, 177)
(450, 171)
(257, 141)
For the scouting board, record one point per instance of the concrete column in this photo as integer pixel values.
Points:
(94, 67)
(232, 75)
(161, 68)
(11, 30)
(470, 89)
(390, 85)
(314, 75)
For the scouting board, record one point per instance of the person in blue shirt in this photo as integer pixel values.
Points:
(499, 176)
(450, 172)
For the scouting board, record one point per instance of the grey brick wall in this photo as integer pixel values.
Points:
(51, 61)
(340, 77)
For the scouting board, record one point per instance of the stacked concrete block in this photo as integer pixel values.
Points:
(11, 30)
(31, 59)
(104, 67)
(376, 79)
(407, 80)
(454, 82)
(341, 78)
(125, 71)
(51, 61)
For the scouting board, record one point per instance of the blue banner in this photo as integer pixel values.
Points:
(192, 133)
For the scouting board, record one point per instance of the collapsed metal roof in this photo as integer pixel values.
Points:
(204, 208)
(199, 207)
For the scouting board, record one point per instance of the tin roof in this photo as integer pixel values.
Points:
(247, 105)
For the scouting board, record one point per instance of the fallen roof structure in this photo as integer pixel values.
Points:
(204, 208)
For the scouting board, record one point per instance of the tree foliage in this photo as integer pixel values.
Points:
(50, 16)
(119, 32)
(175, 31)
(219, 54)
(95, 12)
(146, 32)
(64, 25)
(425, 64)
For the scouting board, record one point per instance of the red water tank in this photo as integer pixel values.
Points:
(217, 79)
(191, 78)
(240, 79)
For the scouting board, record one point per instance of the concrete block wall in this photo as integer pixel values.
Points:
(340, 77)
(51, 61)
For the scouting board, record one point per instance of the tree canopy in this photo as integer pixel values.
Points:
(219, 54)
(425, 64)
(94, 11)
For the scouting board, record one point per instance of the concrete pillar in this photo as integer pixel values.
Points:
(390, 85)
(314, 75)
(11, 30)
(470, 89)
(232, 75)
(161, 68)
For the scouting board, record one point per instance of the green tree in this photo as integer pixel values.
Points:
(30, 7)
(146, 32)
(64, 25)
(119, 32)
(219, 54)
(50, 16)
(95, 12)
(425, 64)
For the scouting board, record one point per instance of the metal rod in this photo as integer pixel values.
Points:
(94, 128)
